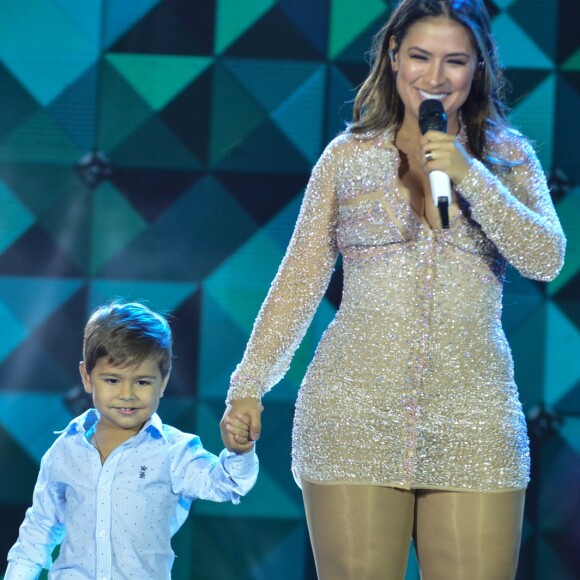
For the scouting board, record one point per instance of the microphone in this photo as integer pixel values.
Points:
(432, 117)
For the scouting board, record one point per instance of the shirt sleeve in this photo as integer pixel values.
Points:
(516, 212)
(199, 474)
(296, 291)
(41, 530)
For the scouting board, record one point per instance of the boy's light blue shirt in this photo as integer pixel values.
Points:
(116, 520)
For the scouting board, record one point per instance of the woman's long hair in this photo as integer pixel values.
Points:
(378, 106)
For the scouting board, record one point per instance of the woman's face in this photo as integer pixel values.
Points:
(436, 60)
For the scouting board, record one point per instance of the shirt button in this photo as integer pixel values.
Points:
(414, 392)
(410, 453)
(102, 534)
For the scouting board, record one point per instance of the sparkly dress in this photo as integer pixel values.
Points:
(412, 383)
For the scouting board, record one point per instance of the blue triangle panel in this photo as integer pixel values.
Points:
(312, 18)
(76, 108)
(211, 226)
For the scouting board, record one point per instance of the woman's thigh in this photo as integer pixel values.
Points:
(360, 532)
(468, 536)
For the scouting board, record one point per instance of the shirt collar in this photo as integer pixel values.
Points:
(84, 423)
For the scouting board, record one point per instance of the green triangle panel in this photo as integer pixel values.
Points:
(56, 40)
(152, 191)
(237, 293)
(349, 19)
(527, 344)
(222, 344)
(26, 367)
(13, 332)
(517, 49)
(172, 28)
(522, 82)
(17, 103)
(562, 347)
(569, 213)
(40, 139)
(263, 195)
(305, 352)
(286, 559)
(15, 219)
(121, 109)
(233, 18)
(119, 17)
(503, 4)
(267, 149)
(211, 227)
(161, 296)
(535, 116)
(572, 63)
(235, 114)
(179, 412)
(301, 116)
(340, 92)
(17, 294)
(249, 542)
(274, 36)
(67, 221)
(45, 414)
(521, 298)
(270, 82)
(38, 185)
(35, 253)
(154, 145)
(86, 17)
(539, 20)
(567, 125)
(548, 562)
(75, 109)
(571, 428)
(19, 473)
(567, 11)
(185, 325)
(115, 224)
(158, 78)
(188, 115)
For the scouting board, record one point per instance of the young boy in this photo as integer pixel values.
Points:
(117, 483)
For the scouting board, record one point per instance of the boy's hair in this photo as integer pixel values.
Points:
(127, 333)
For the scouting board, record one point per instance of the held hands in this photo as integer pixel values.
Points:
(240, 425)
(443, 152)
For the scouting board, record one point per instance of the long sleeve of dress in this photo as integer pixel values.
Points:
(296, 291)
(517, 213)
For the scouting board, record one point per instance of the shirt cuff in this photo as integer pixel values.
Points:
(18, 571)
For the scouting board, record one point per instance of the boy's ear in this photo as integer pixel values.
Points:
(85, 377)
(164, 383)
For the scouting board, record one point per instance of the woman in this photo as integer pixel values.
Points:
(408, 422)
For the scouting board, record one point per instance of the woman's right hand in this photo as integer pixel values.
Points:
(240, 425)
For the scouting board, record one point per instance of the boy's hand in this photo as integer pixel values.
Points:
(240, 425)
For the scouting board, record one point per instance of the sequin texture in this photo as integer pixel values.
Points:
(412, 383)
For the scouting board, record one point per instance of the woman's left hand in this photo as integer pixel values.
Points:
(443, 152)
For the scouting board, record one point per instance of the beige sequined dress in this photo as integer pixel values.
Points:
(412, 383)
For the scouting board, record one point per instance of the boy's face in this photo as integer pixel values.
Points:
(125, 397)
